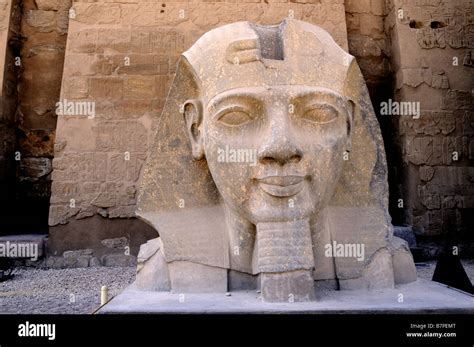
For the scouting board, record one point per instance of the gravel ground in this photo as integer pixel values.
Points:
(77, 291)
(65, 291)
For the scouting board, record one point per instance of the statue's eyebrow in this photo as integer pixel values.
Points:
(225, 96)
(326, 93)
(293, 97)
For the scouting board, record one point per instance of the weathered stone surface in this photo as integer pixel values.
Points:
(404, 270)
(35, 168)
(405, 233)
(78, 253)
(187, 277)
(120, 242)
(242, 281)
(372, 230)
(121, 212)
(429, 64)
(73, 262)
(94, 262)
(152, 270)
(194, 235)
(261, 216)
(291, 286)
(120, 260)
(378, 274)
(43, 20)
(358, 6)
(48, 5)
(415, 77)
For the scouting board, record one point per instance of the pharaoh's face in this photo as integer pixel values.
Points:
(275, 153)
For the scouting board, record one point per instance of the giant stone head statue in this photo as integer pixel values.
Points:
(268, 157)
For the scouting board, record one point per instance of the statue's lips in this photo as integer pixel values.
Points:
(281, 186)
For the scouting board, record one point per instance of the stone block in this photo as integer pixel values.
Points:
(377, 275)
(59, 214)
(115, 40)
(82, 41)
(377, 7)
(43, 21)
(450, 202)
(48, 5)
(54, 262)
(292, 286)
(404, 270)
(187, 277)
(117, 243)
(118, 260)
(32, 169)
(152, 269)
(372, 26)
(78, 253)
(242, 281)
(372, 227)
(97, 13)
(457, 100)
(88, 167)
(358, 6)
(71, 259)
(428, 38)
(76, 88)
(139, 87)
(430, 200)
(63, 192)
(122, 212)
(77, 262)
(135, 64)
(106, 88)
(429, 150)
(140, 40)
(79, 64)
(124, 136)
(94, 262)
(405, 233)
(426, 173)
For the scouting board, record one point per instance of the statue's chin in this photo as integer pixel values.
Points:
(279, 214)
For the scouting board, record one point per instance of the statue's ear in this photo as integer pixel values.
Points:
(192, 110)
(356, 92)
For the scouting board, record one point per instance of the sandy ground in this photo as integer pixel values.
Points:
(77, 291)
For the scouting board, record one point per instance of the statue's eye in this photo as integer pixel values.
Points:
(321, 113)
(235, 117)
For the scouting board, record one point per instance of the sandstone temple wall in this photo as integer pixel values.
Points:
(368, 41)
(432, 43)
(43, 33)
(10, 16)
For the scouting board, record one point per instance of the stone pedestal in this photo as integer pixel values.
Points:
(419, 297)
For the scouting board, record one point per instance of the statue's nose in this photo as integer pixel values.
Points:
(279, 143)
